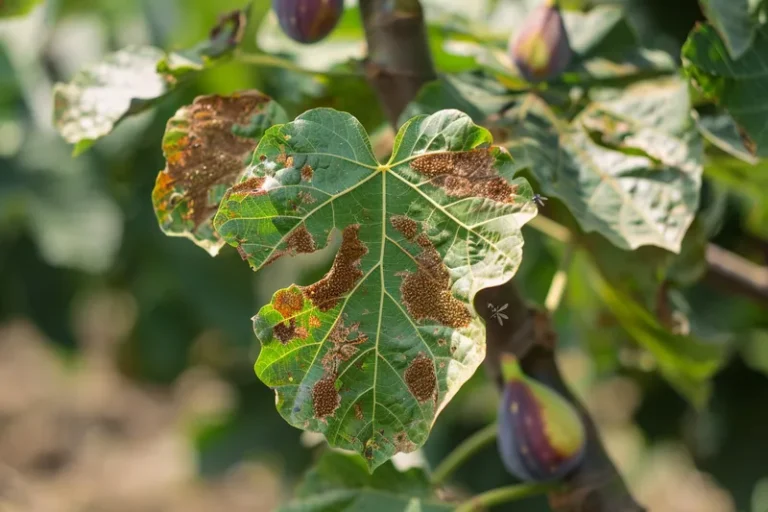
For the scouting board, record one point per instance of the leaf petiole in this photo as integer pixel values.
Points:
(503, 495)
(464, 452)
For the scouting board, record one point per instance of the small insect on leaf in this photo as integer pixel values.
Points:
(539, 200)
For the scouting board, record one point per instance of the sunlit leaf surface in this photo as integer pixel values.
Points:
(372, 352)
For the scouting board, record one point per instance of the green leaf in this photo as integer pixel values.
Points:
(720, 130)
(627, 167)
(16, 7)
(341, 482)
(685, 361)
(477, 97)
(738, 85)
(371, 353)
(131, 80)
(732, 20)
(207, 146)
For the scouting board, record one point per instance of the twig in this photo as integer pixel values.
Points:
(736, 273)
(725, 269)
(560, 279)
(502, 495)
(463, 452)
(270, 61)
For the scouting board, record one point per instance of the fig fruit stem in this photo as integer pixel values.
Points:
(464, 452)
(503, 495)
(559, 280)
(270, 61)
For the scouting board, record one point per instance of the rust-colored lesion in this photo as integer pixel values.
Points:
(344, 341)
(298, 241)
(307, 172)
(325, 397)
(407, 227)
(466, 174)
(210, 153)
(288, 331)
(359, 411)
(421, 379)
(288, 302)
(426, 293)
(344, 273)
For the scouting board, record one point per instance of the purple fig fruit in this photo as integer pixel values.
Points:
(541, 435)
(308, 21)
(541, 50)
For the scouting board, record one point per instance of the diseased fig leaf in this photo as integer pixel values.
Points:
(738, 85)
(341, 482)
(131, 80)
(207, 146)
(628, 166)
(371, 353)
(732, 20)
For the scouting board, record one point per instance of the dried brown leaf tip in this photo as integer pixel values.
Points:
(203, 151)
(421, 378)
(344, 273)
(427, 294)
(325, 397)
(466, 174)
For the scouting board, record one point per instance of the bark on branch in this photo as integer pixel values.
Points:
(399, 61)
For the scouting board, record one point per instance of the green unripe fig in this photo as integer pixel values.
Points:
(541, 50)
(541, 435)
(308, 21)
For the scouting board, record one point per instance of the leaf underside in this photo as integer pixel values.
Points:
(628, 167)
(207, 146)
(131, 80)
(738, 85)
(373, 351)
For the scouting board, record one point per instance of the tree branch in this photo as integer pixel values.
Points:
(398, 64)
(399, 61)
(595, 486)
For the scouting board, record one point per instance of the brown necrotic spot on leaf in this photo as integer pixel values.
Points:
(307, 172)
(300, 240)
(408, 227)
(251, 186)
(285, 331)
(359, 411)
(202, 150)
(305, 197)
(421, 378)
(426, 293)
(344, 342)
(288, 302)
(344, 273)
(403, 444)
(284, 160)
(314, 322)
(466, 174)
(325, 397)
